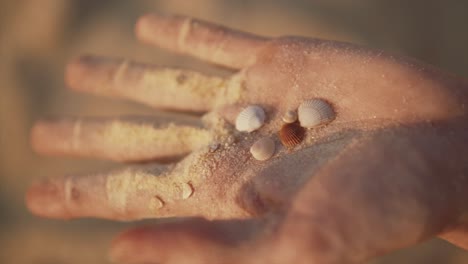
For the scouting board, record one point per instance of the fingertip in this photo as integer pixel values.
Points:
(119, 250)
(74, 71)
(134, 234)
(149, 28)
(88, 72)
(161, 30)
(149, 24)
(44, 199)
(129, 246)
(142, 25)
(36, 136)
(50, 136)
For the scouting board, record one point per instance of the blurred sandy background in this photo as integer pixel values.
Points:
(37, 37)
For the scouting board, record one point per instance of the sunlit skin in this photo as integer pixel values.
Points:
(389, 172)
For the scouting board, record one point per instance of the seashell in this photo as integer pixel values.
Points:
(291, 134)
(263, 148)
(315, 112)
(250, 118)
(290, 116)
(187, 190)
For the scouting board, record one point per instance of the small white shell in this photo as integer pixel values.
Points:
(315, 112)
(250, 119)
(290, 116)
(263, 148)
(187, 190)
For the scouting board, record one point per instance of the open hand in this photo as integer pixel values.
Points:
(388, 172)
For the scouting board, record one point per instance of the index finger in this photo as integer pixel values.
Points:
(210, 42)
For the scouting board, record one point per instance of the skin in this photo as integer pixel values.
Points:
(388, 172)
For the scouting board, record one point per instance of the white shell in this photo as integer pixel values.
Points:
(187, 190)
(290, 116)
(250, 119)
(263, 148)
(315, 112)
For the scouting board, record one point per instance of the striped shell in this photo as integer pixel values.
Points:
(250, 118)
(291, 134)
(290, 116)
(263, 148)
(315, 112)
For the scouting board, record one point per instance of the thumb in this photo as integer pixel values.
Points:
(187, 241)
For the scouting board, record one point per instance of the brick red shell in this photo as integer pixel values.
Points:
(291, 134)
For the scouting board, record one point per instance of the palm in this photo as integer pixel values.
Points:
(373, 94)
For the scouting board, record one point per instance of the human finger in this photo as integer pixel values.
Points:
(159, 87)
(194, 241)
(130, 139)
(135, 192)
(209, 42)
